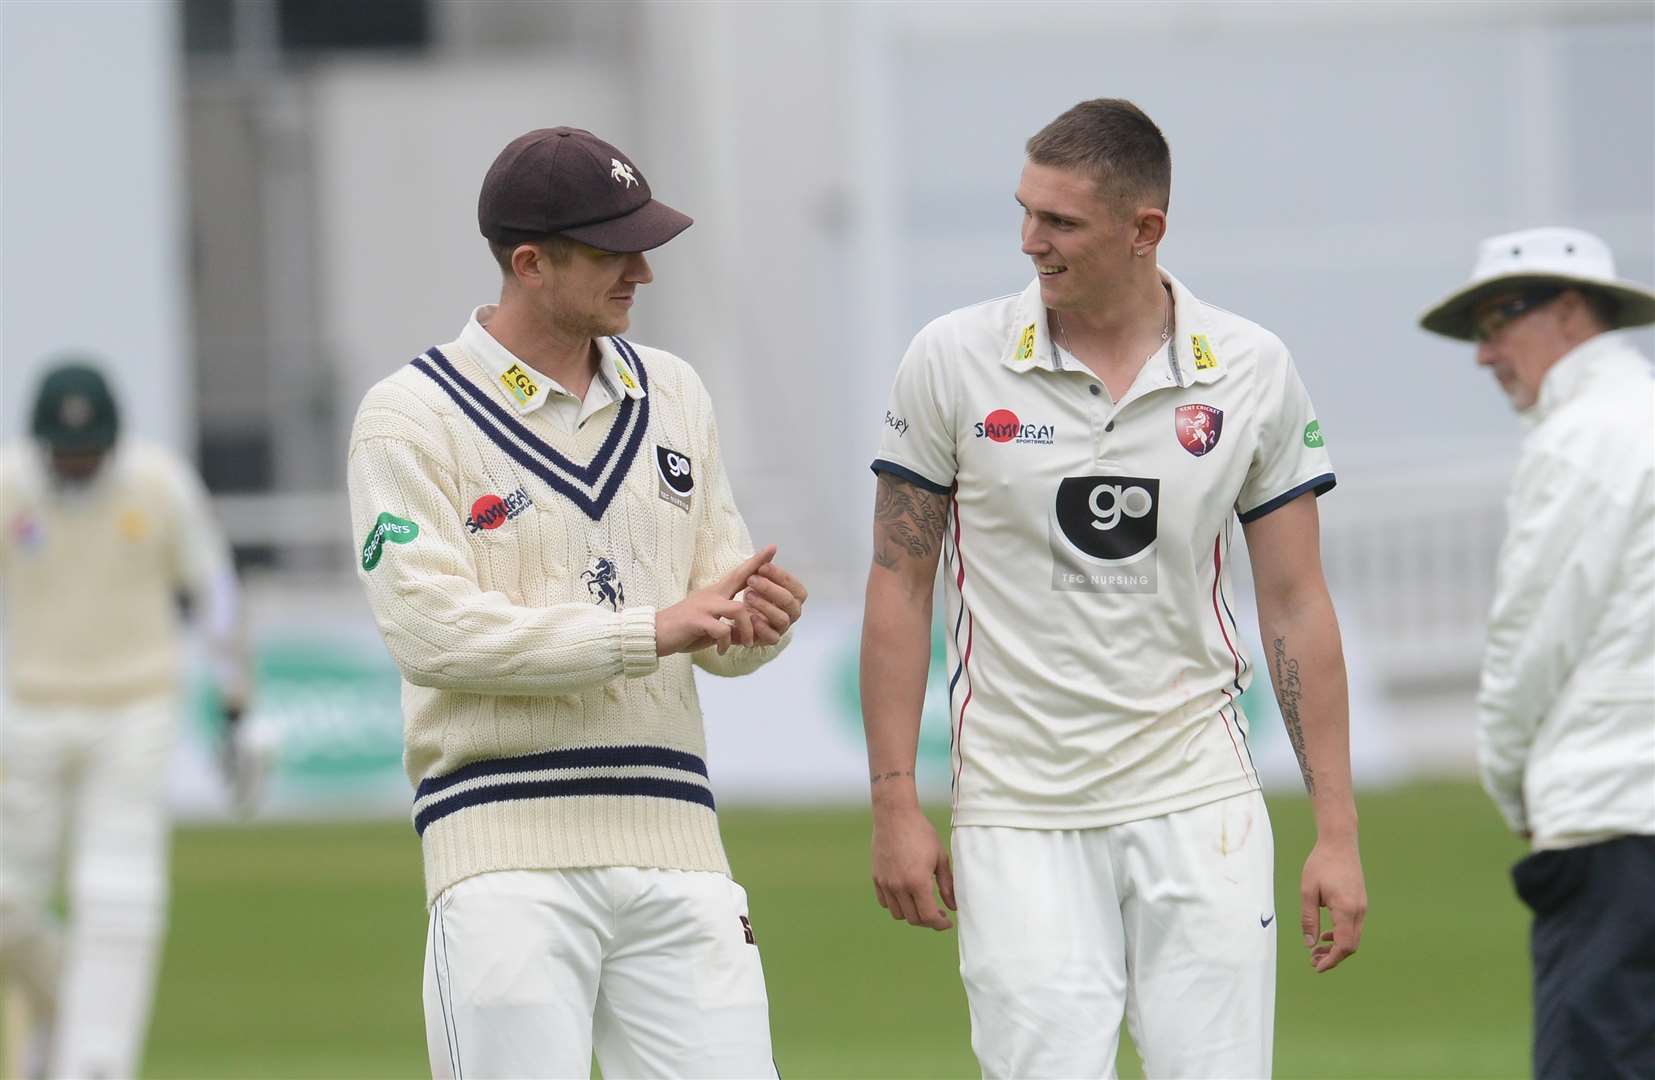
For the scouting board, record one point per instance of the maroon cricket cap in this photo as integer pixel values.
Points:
(567, 181)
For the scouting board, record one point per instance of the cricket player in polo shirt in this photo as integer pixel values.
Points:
(1077, 455)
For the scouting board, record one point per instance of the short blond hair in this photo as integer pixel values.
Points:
(1117, 143)
(557, 247)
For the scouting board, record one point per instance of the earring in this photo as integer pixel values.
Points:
(1141, 252)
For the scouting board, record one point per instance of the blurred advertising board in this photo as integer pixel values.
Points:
(789, 734)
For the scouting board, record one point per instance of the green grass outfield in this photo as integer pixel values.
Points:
(295, 951)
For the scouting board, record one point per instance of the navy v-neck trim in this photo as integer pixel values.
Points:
(573, 481)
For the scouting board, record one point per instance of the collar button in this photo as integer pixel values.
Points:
(1096, 389)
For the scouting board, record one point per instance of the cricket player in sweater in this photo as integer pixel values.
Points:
(549, 542)
(99, 536)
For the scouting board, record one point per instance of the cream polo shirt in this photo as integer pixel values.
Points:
(1093, 655)
(527, 390)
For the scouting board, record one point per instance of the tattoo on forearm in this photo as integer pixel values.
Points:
(1288, 691)
(907, 520)
(877, 777)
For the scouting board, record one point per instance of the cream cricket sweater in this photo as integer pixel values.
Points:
(91, 575)
(514, 568)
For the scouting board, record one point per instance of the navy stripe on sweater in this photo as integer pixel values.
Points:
(506, 779)
(565, 478)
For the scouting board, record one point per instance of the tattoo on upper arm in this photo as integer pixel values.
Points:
(1288, 691)
(907, 520)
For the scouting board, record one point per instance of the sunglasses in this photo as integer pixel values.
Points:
(1497, 318)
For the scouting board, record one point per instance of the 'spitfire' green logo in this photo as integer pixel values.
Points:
(1313, 434)
(388, 527)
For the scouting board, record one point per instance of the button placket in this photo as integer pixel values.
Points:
(1101, 412)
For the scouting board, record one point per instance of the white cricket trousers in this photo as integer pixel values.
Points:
(1169, 920)
(527, 971)
(83, 792)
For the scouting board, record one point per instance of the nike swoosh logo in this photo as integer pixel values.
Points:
(1262, 921)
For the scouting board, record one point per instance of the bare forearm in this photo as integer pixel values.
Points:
(896, 633)
(896, 652)
(1307, 668)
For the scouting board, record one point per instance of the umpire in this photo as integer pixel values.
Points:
(1566, 732)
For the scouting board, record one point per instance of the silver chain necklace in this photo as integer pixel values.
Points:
(1166, 327)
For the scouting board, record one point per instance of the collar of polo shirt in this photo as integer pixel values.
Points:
(524, 388)
(1189, 354)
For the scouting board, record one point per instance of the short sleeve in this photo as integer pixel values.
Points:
(917, 441)
(1290, 456)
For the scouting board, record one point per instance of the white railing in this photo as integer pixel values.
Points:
(1410, 554)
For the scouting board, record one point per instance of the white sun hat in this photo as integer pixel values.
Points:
(1539, 257)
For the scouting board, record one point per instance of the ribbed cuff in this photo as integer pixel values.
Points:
(638, 655)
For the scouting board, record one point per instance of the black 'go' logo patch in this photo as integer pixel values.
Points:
(677, 476)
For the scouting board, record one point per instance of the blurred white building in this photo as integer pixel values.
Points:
(850, 167)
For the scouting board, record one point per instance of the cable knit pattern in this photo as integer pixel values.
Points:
(514, 570)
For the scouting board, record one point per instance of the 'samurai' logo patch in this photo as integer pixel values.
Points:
(1198, 427)
(1003, 426)
(491, 511)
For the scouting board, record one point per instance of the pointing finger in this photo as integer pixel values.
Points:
(736, 579)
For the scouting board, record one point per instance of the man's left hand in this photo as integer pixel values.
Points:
(247, 756)
(776, 599)
(1333, 880)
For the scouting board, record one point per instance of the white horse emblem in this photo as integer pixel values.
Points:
(622, 173)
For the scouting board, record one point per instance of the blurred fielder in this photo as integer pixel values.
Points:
(99, 536)
(1078, 454)
(1566, 714)
(549, 542)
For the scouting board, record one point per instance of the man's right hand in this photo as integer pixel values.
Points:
(710, 616)
(907, 856)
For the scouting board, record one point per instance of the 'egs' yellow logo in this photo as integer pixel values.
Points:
(522, 387)
(1204, 358)
(1025, 347)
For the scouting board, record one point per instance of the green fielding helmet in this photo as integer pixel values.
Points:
(74, 411)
